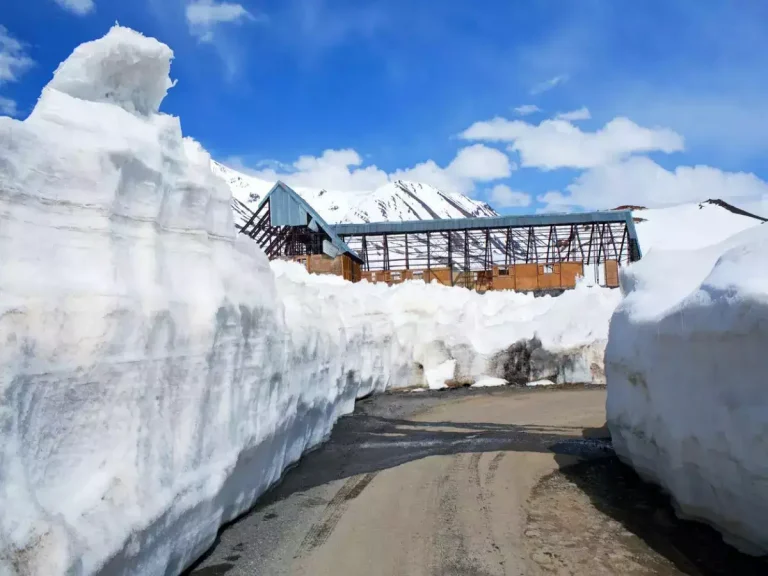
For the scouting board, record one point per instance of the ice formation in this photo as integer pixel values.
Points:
(686, 367)
(156, 374)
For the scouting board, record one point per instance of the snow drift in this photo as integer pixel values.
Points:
(455, 336)
(686, 364)
(153, 379)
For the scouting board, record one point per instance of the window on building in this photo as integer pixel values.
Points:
(503, 271)
(549, 269)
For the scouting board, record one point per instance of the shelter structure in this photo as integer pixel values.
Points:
(286, 226)
(543, 252)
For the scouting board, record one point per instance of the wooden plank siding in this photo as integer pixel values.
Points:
(521, 277)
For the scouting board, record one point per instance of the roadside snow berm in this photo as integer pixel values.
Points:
(151, 387)
(687, 371)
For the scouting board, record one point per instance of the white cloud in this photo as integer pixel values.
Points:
(204, 15)
(580, 114)
(343, 170)
(477, 163)
(502, 196)
(481, 163)
(430, 173)
(13, 62)
(7, 107)
(640, 181)
(559, 144)
(13, 59)
(335, 170)
(79, 7)
(549, 84)
(322, 24)
(527, 109)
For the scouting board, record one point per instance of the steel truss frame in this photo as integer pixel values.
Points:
(479, 249)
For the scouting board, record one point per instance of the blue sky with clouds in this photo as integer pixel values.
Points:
(533, 105)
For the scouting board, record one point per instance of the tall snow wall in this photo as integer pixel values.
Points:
(152, 387)
(154, 380)
(686, 366)
(456, 336)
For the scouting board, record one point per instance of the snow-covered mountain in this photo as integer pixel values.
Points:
(394, 202)
(680, 227)
(693, 225)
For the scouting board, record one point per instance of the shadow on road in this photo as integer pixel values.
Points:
(362, 444)
(382, 434)
(644, 510)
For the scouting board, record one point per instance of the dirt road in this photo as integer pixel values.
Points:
(464, 483)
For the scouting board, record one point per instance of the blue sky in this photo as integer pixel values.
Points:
(666, 101)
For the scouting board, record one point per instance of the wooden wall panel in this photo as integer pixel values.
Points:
(442, 275)
(526, 283)
(548, 281)
(322, 264)
(525, 277)
(350, 269)
(569, 272)
(503, 283)
(611, 273)
(524, 270)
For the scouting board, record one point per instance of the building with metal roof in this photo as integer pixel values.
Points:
(534, 252)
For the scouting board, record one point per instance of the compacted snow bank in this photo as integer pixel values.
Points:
(152, 383)
(686, 366)
(455, 336)
(156, 374)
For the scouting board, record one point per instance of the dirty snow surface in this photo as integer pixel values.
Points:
(686, 366)
(156, 373)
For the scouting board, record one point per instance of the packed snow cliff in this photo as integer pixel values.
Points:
(686, 366)
(456, 336)
(156, 375)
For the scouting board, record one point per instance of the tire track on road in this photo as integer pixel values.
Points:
(482, 500)
(493, 467)
(321, 531)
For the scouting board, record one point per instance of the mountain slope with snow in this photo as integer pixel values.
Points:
(681, 227)
(394, 202)
(689, 226)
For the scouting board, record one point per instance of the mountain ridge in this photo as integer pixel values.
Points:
(395, 201)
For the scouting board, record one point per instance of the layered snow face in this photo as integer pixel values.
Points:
(152, 383)
(686, 364)
(396, 201)
(458, 336)
(156, 376)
